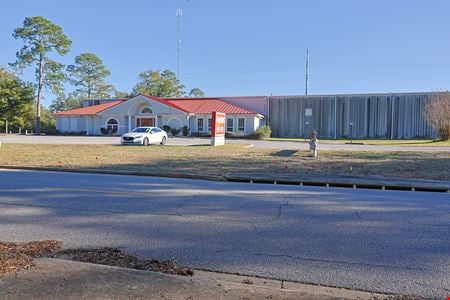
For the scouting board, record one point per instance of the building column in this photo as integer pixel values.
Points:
(129, 123)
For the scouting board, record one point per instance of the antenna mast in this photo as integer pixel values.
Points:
(307, 72)
(179, 14)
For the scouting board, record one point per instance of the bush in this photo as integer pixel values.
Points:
(74, 133)
(185, 130)
(166, 128)
(48, 131)
(234, 135)
(174, 131)
(262, 132)
(437, 114)
(200, 134)
(108, 131)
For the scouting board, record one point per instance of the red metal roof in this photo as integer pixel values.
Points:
(208, 105)
(90, 110)
(188, 105)
(166, 102)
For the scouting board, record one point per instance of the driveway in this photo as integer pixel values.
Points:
(178, 141)
(374, 240)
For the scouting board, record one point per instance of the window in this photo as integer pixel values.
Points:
(200, 125)
(230, 124)
(155, 130)
(112, 125)
(146, 110)
(140, 129)
(209, 124)
(241, 124)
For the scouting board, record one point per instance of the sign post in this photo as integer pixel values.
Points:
(218, 129)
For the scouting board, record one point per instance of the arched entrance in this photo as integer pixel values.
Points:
(144, 116)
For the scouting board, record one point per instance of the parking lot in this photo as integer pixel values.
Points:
(89, 140)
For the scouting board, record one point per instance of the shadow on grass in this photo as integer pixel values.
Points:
(289, 161)
(284, 153)
(408, 143)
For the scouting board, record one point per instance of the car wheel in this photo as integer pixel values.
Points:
(164, 140)
(145, 143)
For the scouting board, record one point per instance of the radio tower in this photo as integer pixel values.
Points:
(307, 72)
(179, 14)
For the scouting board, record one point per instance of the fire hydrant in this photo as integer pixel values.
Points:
(313, 143)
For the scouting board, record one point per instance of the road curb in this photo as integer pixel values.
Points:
(118, 172)
(344, 181)
(57, 278)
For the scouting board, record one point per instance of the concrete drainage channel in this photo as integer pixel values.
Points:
(346, 182)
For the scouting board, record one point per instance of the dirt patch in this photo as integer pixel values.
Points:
(17, 256)
(118, 258)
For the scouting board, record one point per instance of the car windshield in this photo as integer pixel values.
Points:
(140, 129)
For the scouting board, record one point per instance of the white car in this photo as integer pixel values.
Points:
(144, 136)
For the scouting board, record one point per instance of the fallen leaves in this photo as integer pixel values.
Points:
(118, 258)
(17, 256)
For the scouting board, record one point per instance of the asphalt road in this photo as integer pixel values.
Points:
(383, 241)
(104, 140)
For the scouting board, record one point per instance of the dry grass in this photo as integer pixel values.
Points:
(205, 160)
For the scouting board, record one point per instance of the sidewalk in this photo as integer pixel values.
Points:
(330, 180)
(63, 279)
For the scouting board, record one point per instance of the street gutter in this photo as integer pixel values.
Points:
(346, 181)
(323, 180)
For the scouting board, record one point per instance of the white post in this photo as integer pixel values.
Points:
(6, 130)
(129, 123)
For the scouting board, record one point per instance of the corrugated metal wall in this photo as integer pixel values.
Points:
(392, 116)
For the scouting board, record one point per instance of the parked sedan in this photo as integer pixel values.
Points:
(144, 136)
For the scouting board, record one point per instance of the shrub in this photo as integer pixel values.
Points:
(74, 133)
(234, 135)
(262, 132)
(48, 131)
(200, 134)
(185, 130)
(104, 131)
(437, 114)
(174, 131)
(166, 128)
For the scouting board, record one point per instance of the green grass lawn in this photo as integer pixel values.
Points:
(430, 143)
(206, 160)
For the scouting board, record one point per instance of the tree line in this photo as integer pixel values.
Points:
(42, 40)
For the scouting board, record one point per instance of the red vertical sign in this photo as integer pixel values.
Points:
(218, 124)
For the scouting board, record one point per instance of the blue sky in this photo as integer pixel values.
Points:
(246, 47)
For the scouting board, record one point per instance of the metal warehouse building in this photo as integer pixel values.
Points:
(392, 116)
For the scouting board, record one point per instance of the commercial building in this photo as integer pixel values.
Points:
(123, 115)
(384, 115)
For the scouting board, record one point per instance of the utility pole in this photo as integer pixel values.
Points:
(307, 72)
(179, 14)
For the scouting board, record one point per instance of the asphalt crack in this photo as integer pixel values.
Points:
(280, 210)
